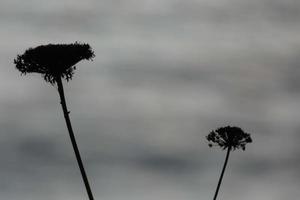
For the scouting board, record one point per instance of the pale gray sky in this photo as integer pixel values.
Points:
(166, 73)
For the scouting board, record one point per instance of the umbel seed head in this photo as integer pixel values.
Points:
(53, 60)
(229, 137)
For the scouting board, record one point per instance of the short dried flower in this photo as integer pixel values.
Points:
(229, 137)
(53, 60)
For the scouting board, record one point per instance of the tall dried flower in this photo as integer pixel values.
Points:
(56, 62)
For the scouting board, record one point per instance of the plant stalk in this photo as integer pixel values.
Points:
(222, 173)
(72, 137)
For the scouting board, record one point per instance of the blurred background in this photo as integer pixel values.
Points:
(166, 73)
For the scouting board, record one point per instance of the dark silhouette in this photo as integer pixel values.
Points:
(54, 62)
(230, 138)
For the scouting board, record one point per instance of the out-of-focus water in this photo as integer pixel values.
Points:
(166, 73)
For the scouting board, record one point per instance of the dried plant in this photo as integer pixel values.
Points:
(230, 138)
(56, 62)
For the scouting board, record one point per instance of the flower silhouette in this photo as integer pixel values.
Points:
(53, 60)
(230, 138)
(56, 62)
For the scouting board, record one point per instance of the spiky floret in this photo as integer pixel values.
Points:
(229, 137)
(53, 60)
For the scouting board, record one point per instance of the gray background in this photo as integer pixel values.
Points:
(166, 73)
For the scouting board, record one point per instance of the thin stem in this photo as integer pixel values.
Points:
(72, 137)
(222, 173)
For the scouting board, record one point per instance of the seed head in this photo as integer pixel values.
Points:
(53, 60)
(229, 137)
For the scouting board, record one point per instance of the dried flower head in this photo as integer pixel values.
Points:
(53, 60)
(229, 137)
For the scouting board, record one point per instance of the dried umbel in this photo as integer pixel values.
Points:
(229, 137)
(53, 60)
(56, 62)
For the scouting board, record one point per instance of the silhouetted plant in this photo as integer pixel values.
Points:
(54, 62)
(230, 138)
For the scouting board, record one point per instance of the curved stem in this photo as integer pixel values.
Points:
(72, 137)
(222, 173)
